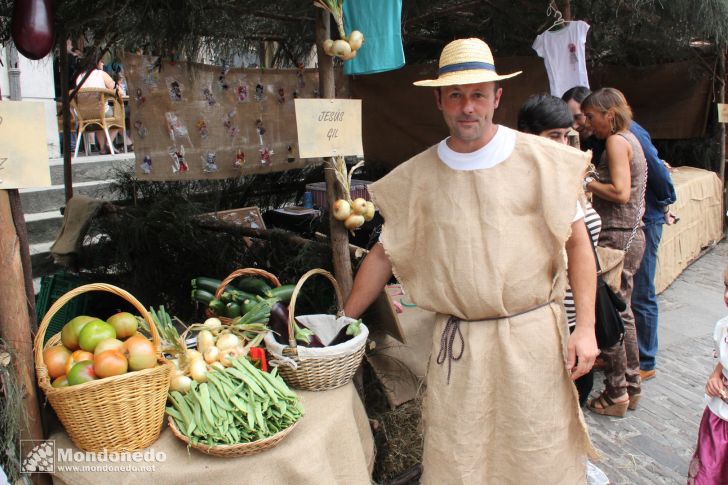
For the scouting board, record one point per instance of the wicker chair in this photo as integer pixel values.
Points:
(89, 108)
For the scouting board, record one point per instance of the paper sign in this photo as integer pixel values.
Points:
(328, 127)
(23, 148)
(722, 113)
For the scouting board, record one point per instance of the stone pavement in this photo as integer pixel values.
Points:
(654, 444)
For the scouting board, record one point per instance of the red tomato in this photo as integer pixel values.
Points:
(77, 357)
(81, 372)
(140, 352)
(55, 359)
(124, 323)
(110, 363)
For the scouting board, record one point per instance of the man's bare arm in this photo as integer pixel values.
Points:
(583, 281)
(375, 271)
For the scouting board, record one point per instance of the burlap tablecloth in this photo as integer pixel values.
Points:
(700, 209)
(332, 444)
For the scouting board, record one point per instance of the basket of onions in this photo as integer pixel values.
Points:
(223, 400)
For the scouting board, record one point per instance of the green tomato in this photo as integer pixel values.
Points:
(94, 332)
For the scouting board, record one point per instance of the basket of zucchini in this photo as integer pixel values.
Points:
(227, 301)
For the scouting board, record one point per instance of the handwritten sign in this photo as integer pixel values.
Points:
(328, 127)
(23, 148)
(722, 113)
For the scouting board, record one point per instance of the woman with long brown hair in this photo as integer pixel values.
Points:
(618, 195)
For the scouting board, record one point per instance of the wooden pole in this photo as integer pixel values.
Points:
(16, 206)
(66, 112)
(721, 99)
(339, 235)
(15, 327)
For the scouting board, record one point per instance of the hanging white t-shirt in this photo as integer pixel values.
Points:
(563, 53)
(494, 152)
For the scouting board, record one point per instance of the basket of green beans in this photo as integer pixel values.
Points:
(239, 411)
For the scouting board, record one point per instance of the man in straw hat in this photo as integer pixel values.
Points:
(479, 229)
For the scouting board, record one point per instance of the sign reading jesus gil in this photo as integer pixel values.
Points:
(328, 127)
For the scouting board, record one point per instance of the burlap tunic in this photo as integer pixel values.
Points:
(479, 245)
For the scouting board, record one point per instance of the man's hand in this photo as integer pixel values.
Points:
(582, 346)
(671, 218)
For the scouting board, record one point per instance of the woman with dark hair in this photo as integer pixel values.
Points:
(548, 116)
(618, 189)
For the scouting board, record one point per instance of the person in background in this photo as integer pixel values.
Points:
(617, 189)
(98, 78)
(548, 116)
(659, 195)
(709, 465)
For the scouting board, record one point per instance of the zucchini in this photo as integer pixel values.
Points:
(205, 283)
(255, 285)
(247, 306)
(232, 310)
(283, 292)
(202, 296)
(217, 306)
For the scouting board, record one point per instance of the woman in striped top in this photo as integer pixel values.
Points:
(550, 117)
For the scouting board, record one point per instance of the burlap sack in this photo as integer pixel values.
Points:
(611, 261)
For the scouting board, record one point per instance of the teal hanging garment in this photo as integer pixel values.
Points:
(380, 22)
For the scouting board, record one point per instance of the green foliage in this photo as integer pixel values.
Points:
(12, 414)
(154, 247)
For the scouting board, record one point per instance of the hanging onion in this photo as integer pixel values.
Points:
(341, 48)
(356, 39)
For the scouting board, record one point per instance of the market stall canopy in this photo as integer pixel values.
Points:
(671, 101)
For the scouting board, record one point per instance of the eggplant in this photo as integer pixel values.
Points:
(278, 323)
(32, 28)
(347, 332)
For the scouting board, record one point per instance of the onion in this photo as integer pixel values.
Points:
(217, 366)
(191, 355)
(371, 210)
(341, 48)
(359, 206)
(213, 322)
(354, 221)
(328, 44)
(227, 341)
(356, 39)
(205, 340)
(227, 356)
(198, 370)
(180, 383)
(342, 210)
(349, 56)
(211, 355)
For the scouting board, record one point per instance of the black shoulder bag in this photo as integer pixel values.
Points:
(609, 326)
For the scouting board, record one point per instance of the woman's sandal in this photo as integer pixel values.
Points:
(607, 407)
(634, 399)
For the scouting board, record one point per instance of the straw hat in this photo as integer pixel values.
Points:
(465, 61)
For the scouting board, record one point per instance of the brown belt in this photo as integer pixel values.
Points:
(452, 329)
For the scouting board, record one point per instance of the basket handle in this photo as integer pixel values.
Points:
(245, 272)
(294, 297)
(40, 366)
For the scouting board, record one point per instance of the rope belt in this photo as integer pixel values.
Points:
(452, 330)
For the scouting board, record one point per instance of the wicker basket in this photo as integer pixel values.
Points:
(242, 449)
(318, 373)
(236, 274)
(119, 413)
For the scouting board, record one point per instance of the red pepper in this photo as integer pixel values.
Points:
(257, 356)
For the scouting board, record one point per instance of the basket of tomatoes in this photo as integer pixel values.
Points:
(106, 382)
